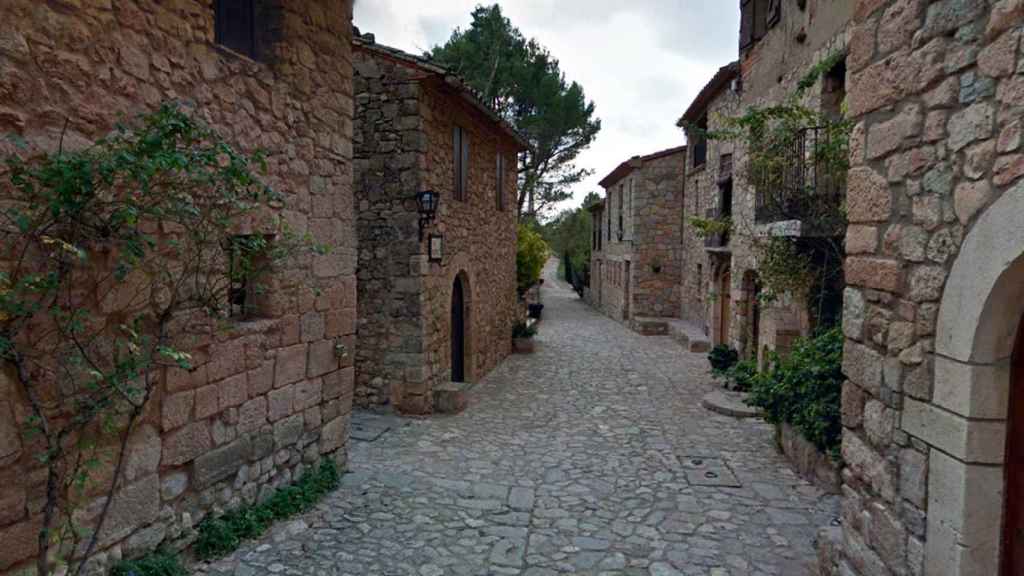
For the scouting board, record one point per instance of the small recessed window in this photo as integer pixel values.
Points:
(248, 260)
(235, 25)
(499, 188)
(460, 153)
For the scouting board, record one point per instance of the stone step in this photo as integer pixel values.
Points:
(689, 335)
(729, 404)
(450, 397)
(650, 326)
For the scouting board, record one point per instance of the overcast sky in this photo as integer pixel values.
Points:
(641, 61)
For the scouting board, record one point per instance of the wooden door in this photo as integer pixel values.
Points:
(458, 336)
(1013, 510)
(725, 309)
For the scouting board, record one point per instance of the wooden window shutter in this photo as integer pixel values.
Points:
(746, 23)
(457, 163)
(774, 12)
(760, 19)
(500, 187)
(464, 167)
(235, 25)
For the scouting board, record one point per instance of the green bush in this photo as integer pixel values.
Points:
(722, 358)
(742, 374)
(524, 330)
(159, 563)
(804, 389)
(531, 254)
(222, 535)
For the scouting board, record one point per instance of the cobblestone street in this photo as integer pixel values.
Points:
(591, 456)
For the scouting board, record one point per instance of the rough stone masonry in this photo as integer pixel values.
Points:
(268, 397)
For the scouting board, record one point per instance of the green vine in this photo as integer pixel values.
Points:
(707, 227)
(107, 252)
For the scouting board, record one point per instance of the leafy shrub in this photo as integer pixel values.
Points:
(804, 389)
(222, 535)
(531, 254)
(524, 330)
(159, 563)
(742, 374)
(722, 358)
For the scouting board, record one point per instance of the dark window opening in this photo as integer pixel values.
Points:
(756, 18)
(700, 144)
(247, 259)
(622, 198)
(500, 185)
(833, 92)
(460, 152)
(235, 25)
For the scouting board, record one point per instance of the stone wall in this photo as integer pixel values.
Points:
(404, 123)
(617, 255)
(389, 142)
(479, 239)
(934, 278)
(698, 267)
(268, 397)
(656, 205)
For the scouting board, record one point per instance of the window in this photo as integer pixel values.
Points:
(756, 17)
(622, 197)
(499, 188)
(235, 25)
(246, 260)
(460, 152)
(608, 209)
(700, 144)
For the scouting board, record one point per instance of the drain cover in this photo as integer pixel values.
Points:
(704, 471)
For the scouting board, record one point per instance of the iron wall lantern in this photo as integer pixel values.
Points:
(427, 202)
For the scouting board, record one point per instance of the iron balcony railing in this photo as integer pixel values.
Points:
(802, 183)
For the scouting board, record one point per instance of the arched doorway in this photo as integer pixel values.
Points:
(1013, 508)
(458, 331)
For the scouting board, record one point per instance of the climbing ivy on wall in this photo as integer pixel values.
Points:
(109, 256)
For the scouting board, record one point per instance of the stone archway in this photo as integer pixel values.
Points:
(461, 327)
(981, 308)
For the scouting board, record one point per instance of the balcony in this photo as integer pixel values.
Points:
(800, 193)
(717, 242)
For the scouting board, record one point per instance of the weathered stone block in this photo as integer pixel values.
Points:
(173, 485)
(232, 391)
(868, 465)
(187, 443)
(863, 365)
(221, 463)
(970, 125)
(926, 283)
(261, 379)
(10, 438)
(334, 434)
(20, 542)
(144, 451)
(133, 507)
(252, 415)
(288, 431)
(279, 403)
(868, 196)
(999, 58)
(887, 535)
(290, 366)
(322, 358)
(307, 393)
(861, 239)
(177, 410)
(969, 441)
(879, 422)
(877, 273)
(207, 401)
(914, 476)
(852, 405)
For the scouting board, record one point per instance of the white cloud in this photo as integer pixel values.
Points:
(642, 62)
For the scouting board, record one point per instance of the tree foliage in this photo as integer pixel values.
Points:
(570, 235)
(113, 258)
(524, 83)
(532, 253)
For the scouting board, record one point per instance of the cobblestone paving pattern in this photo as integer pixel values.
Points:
(578, 459)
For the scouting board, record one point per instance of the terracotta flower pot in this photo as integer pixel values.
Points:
(522, 345)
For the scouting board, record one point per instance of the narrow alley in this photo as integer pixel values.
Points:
(591, 456)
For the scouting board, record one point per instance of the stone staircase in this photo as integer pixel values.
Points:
(690, 335)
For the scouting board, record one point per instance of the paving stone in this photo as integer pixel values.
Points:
(575, 459)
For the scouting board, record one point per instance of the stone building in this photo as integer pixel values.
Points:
(635, 264)
(935, 273)
(266, 397)
(437, 298)
(780, 45)
(705, 288)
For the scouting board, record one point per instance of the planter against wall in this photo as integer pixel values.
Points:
(812, 465)
(522, 345)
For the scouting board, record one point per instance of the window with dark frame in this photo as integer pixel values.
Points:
(235, 26)
(246, 260)
(460, 152)
(499, 188)
(622, 198)
(756, 18)
(700, 145)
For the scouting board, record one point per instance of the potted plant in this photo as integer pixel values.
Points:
(522, 338)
